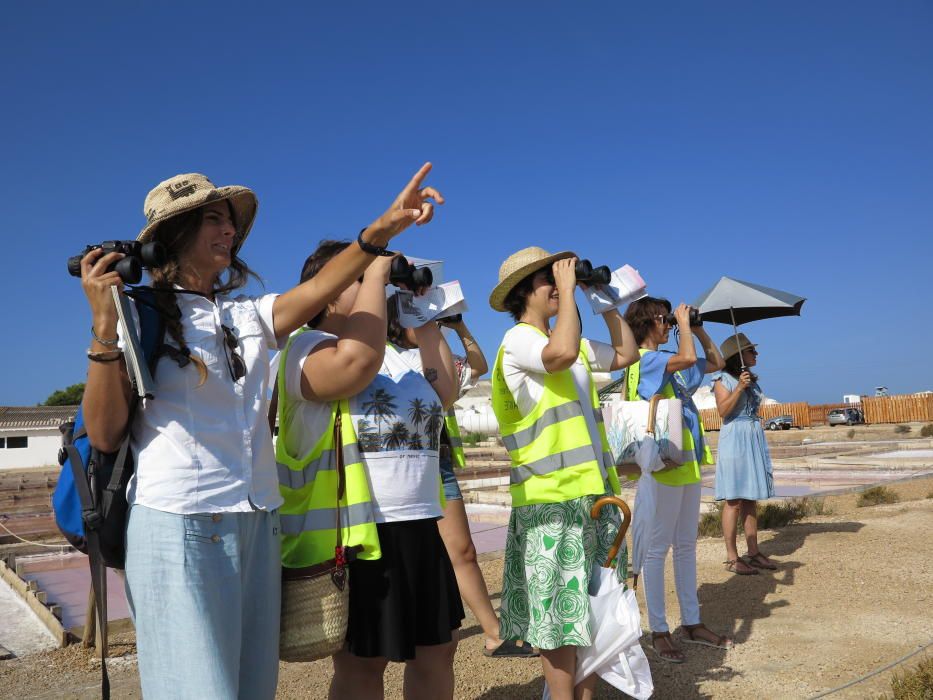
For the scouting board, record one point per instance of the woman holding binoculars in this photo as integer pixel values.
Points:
(550, 421)
(404, 601)
(202, 545)
(677, 491)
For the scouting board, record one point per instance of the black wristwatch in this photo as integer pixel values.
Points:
(372, 249)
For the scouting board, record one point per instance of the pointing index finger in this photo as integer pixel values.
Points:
(419, 176)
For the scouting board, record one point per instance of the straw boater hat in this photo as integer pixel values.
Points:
(186, 192)
(733, 345)
(517, 267)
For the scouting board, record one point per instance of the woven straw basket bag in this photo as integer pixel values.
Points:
(316, 599)
(315, 610)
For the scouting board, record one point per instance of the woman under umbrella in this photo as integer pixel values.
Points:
(743, 465)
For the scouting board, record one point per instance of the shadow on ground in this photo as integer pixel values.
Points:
(717, 601)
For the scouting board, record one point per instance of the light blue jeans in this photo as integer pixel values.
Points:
(204, 591)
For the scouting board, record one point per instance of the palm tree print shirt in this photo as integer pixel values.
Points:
(398, 420)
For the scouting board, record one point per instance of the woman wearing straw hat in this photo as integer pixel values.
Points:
(743, 464)
(675, 492)
(545, 400)
(203, 564)
(404, 603)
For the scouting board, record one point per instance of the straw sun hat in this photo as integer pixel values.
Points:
(518, 266)
(183, 193)
(733, 345)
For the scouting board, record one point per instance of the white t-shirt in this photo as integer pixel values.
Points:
(397, 430)
(207, 448)
(523, 368)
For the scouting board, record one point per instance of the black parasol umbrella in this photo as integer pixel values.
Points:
(737, 302)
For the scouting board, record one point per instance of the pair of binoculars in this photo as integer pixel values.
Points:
(695, 320)
(130, 268)
(588, 274)
(405, 273)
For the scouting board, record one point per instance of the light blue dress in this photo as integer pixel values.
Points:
(743, 465)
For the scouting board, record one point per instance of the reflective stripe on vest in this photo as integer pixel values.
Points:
(552, 453)
(689, 471)
(309, 483)
(457, 455)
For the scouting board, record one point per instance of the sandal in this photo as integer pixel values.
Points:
(734, 564)
(510, 648)
(760, 561)
(669, 653)
(722, 642)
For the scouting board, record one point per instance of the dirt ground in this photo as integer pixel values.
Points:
(853, 593)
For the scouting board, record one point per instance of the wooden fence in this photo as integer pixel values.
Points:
(876, 409)
(898, 409)
(819, 413)
(799, 411)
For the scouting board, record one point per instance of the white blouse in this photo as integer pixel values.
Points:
(205, 449)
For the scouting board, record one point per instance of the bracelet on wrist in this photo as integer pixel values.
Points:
(372, 249)
(104, 341)
(106, 356)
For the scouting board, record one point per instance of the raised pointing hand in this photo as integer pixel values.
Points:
(412, 205)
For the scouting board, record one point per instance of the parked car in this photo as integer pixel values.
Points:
(845, 416)
(779, 423)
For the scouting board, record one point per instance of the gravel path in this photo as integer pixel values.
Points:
(853, 592)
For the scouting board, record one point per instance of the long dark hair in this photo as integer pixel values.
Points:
(325, 251)
(177, 235)
(642, 314)
(734, 367)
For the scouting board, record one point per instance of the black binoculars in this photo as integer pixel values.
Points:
(695, 320)
(453, 318)
(405, 273)
(130, 268)
(588, 274)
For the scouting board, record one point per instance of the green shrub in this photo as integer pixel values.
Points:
(877, 495)
(770, 515)
(930, 495)
(850, 433)
(472, 439)
(901, 429)
(711, 522)
(927, 430)
(915, 684)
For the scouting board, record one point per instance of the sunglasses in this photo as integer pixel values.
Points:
(235, 362)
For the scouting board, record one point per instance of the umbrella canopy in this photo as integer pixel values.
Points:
(737, 302)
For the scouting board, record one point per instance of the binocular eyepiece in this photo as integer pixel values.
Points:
(590, 275)
(130, 268)
(453, 318)
(695, 320)
(405, 273)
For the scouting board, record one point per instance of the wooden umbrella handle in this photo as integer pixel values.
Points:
(620, 536)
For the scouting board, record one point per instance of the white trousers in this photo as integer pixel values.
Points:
(675, 523)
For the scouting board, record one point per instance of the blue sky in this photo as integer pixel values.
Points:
(786, 143)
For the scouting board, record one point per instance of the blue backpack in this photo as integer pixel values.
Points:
(90, 497)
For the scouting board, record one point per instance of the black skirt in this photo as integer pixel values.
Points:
(406, 599)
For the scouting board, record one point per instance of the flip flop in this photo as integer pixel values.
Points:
(759, 561)
(672, 654)
(733, 566)
(510, 649)
(722, 642)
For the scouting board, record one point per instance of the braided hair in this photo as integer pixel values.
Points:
(176, 235)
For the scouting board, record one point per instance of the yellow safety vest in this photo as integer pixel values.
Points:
(689, 471)
(308, 484)
(457, 455)
(553, 456)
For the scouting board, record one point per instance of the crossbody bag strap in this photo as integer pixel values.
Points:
(339, 573)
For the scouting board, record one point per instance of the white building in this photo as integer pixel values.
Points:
(29, 435)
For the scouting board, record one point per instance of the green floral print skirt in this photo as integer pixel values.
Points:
(550, 550)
